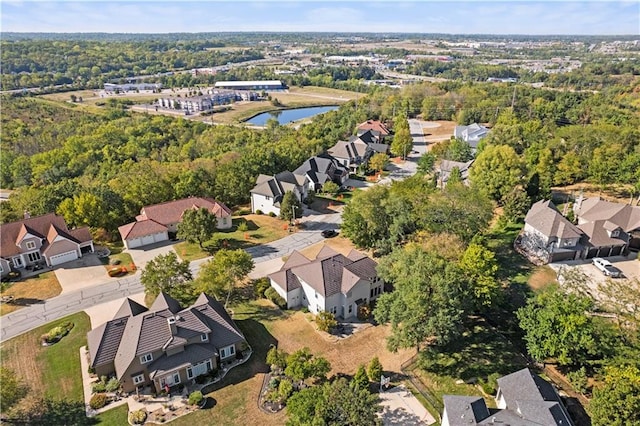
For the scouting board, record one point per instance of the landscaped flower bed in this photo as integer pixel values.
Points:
(56, 333)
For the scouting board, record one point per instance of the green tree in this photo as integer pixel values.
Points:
(223, 272)
(360, 379)
(379, 161)
(290, 207)
(427, 303)
(277, 357)
(326, 321)
(402, 142)
(83, 209)
(333, 404)
(497, 171)
(557, 325)
(455, 177)
(516, 205)
(165, 273)
(617, 401)
(12, 389)
(426, 162)
(480, 265)
(363, 219)
(459, 150)
(302, 365)
(330, 188)
(570, 169)
(198, 225)
(374, 370)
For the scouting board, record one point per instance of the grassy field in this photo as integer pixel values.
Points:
(114, 417)
(261, 229)
(52, 371)
(29, 291)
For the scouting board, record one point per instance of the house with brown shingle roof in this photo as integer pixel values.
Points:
(165, 345)
(331, 282)
(41, 239)
(155, 222)
(376, 126)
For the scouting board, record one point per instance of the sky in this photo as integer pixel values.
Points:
(591, 17)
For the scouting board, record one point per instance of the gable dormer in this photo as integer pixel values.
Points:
(613, 230)
(28, 239)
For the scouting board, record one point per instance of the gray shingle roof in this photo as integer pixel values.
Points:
(129, 308)
(544, 217)
(465, 410)
(104, 340)
(623, 215)
(192, 354)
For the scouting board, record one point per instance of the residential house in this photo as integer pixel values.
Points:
(523, 399)
(373, 139)
(549, 235)
(445, 167)
(267, 195)
(155, 222)
(376, 126)
(604, 229)
(322, 169)
(471, 134)
(331, 282)
(166, 344)
(41, 239)
(351, 153)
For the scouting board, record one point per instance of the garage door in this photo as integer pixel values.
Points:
(63, 257)
(148, 239)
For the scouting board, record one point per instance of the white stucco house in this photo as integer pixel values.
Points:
(471, 134)
(331, 282)
(267, 195)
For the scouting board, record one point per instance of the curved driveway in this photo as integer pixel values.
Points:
(33, 316)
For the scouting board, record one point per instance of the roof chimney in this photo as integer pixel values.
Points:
(27, 215)
(172, 325)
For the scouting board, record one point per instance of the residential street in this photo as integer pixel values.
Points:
(68, 303)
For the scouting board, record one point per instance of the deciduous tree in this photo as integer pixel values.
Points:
(379, 161)
(165, 273)
(617, 401)
(497, 171)
(197, 226)
(223, 272)
(290, 207)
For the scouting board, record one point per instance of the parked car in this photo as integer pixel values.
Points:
(606, 267)
(329, 233)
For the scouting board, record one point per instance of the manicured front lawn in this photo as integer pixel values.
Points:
(52, 371)
(29, 291)
(261, 229)
(114, 417)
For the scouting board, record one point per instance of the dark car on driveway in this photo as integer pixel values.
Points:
(329, 233)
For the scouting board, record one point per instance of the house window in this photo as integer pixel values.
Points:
(316, 295)
(224, 220)
(1, 268)
(204, 338)
(334, 310)
(34, 256)
(266, 197)
(350, 308)
(17, 262)
(146, 358)
(615, 233)
(31, 245)
(227, 352)
(209, 365)
(189, 373)
(138, 379)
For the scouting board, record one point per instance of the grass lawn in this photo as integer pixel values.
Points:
(261, 229)
(114, 417)
(52, 371)
(29, 291)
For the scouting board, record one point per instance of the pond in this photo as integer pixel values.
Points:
(285, 116)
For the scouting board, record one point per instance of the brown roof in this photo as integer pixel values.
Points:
(330, 273)
(623, 215)
(140, 229)
(46, 226)
(374, 125)
(171, 211)
(598, 235)
(544, 217)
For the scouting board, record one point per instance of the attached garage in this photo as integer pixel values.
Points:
(142, 233)
(63, 257)
(146, 239)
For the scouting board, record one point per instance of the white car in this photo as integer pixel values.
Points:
(606, 267)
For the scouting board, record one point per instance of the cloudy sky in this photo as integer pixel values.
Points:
(453, 17)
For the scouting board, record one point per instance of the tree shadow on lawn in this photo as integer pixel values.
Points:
(260, 341)
(479, 352)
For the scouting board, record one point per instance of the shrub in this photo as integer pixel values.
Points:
(137, 417)
(112, 385)
(273, 383)
(374, 370)
(489, 386)
(273, 295)
(57, 333)
(261, 285)
(259, 211)
(364, 312)
(326, 321)
(98, 400)
(285, 389)
(578, 379)
(272, 214)
(98, 387)
(330, 188)
(195, 398)
(243, 227)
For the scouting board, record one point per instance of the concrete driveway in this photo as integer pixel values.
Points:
(144, 254)
(82, 273)
(400, 407)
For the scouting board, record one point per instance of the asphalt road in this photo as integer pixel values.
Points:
(35, 315)
(410, 166)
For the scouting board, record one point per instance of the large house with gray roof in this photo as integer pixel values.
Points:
(38, 240)
(166, 344)
(322, 169)
(604, 229)
(331, 282)
(269, 191)
(471, 134)
(523, 399)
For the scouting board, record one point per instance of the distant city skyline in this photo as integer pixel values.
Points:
(452, 17)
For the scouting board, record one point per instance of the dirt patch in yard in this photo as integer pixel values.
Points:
(542, 276)
(295, 332)
(444, 129)
(30, 291)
